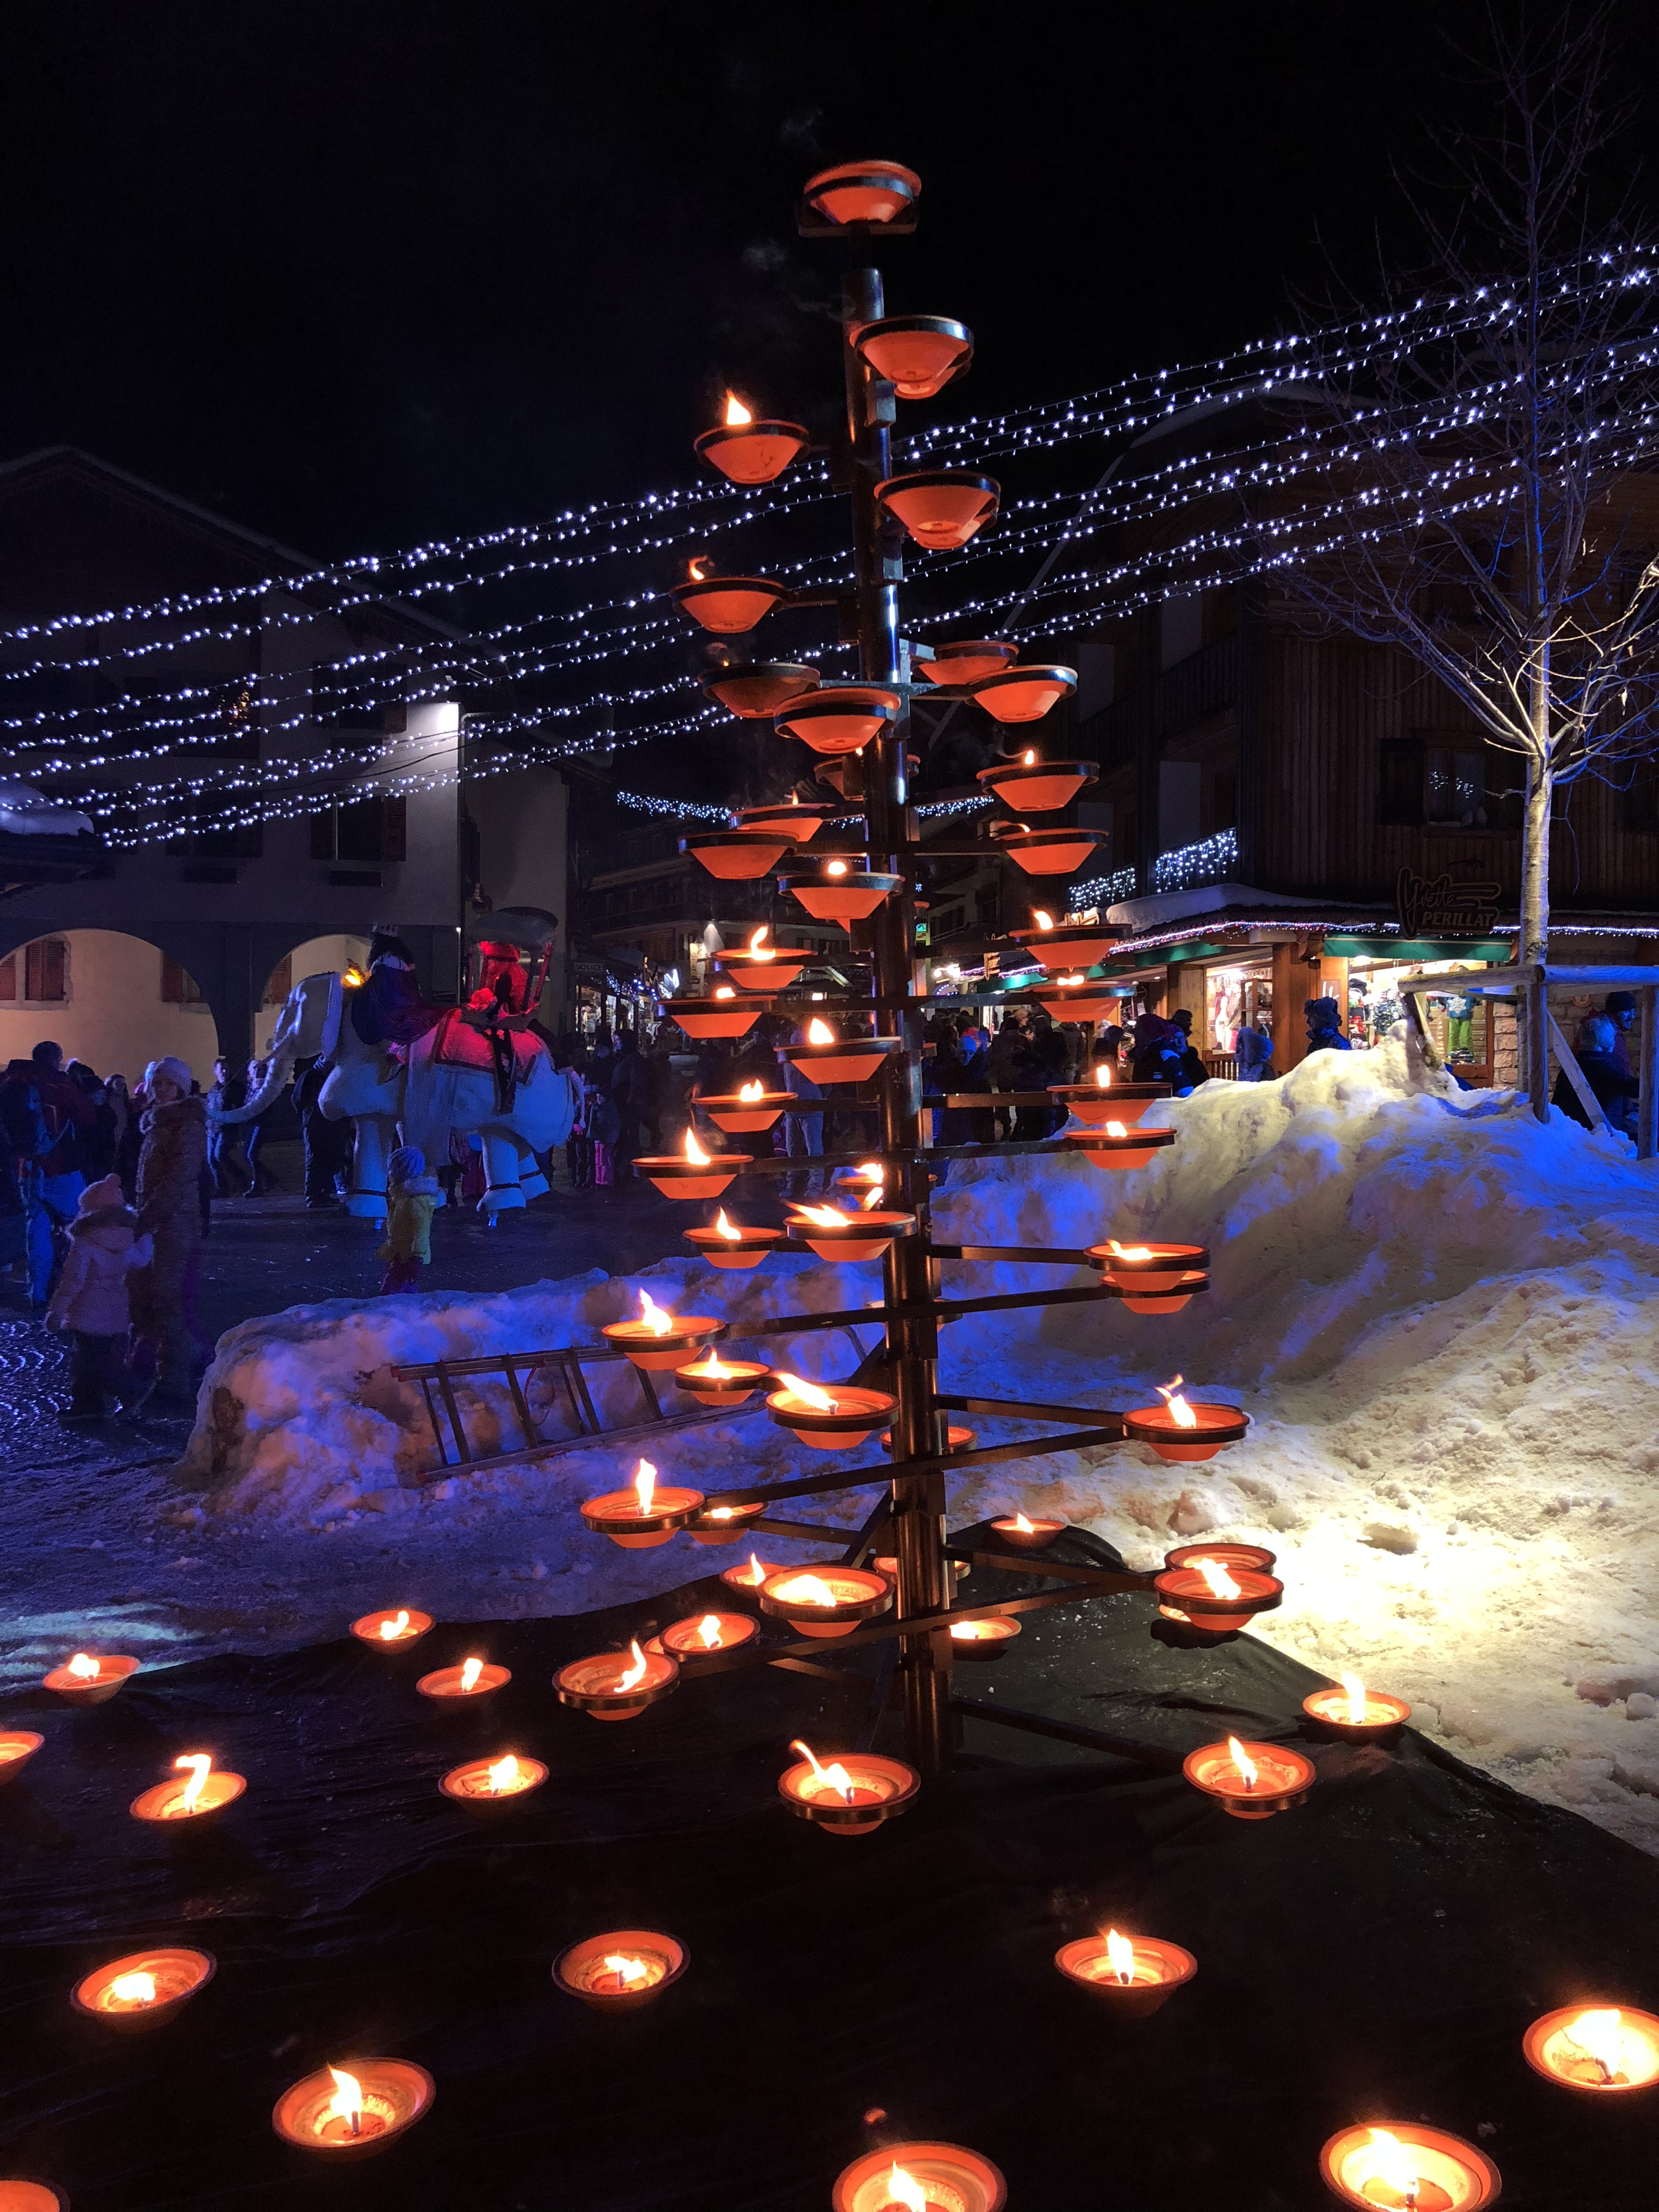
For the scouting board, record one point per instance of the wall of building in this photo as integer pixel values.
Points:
(318, 956)
(113, 1016)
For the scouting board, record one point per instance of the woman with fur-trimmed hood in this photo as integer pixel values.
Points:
(170, 1212)
(90, 1303)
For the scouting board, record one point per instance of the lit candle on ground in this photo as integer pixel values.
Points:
(143, 1989)
(1407, 2168)
(1028, 1535)
(621, 1970)
(920, 2176)
(494, 1781)
(851, 1794)
(348, 2112)
(1603, 2049)
(645, 1515)
(473, 1678)
(699, 1636)
(90, 1677)
(1355, 1712)
(612, 1686)
(1134, 1974)
(17, 1748)
(393, 1629)
(1251, 1781)
(207, 1789)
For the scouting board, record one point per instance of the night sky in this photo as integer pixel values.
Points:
(354, 274)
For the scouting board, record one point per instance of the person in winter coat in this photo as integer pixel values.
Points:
(1254, 1049)
(412, 1198)
(1616, 1088)
(1324, 1019)
(170, 1169)
(47, 1119)
(1158, 1046)
(90, 1302)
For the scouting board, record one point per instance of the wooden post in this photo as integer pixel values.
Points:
(1290, 989)
(1647, 1103)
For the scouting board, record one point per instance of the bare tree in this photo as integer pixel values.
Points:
(1500, 527)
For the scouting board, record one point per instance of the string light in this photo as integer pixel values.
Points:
(680, 810)
(1101, 891)
(1208, 861)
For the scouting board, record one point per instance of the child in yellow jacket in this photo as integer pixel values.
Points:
(411, 1195)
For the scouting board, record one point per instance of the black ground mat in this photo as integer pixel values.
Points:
(1375, 1953)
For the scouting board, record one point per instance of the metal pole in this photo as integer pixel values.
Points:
(924, 1578)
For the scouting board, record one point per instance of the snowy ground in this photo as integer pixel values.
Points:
(1439, 1316)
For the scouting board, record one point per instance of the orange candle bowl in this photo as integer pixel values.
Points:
(660, 1350)
(20, 2196)
(173, 1977)
(1620, 2051)
(742, 1116)
(483, 1786)
(848, 1793)
(950, 2178)
(763, 971)
(850, 1236)
(1449, 2174)
(752, 453)
(1037, 1535)
(113, 1670)
(851, 1415)
(455, 1687)
(755, 689)
(982, 1640)
(940, 508)
(861, 193)
(1118, 1147)
(730, 606)
(1155, 1971)
(17, 1748)
(1153, 1278)
(381, 1632)
(1046, 852)
(1025, 693)
(726, 1382)
(1096, 1103)
(688, 1640)
(918, 354)
(723, 1015)
(956, 1440)
(1380, 1720)
(851, 896)
(1230, 1555)
(734, 1247)
(1075, 998)
(691, 1174)
(644, 1514)
(751, 1578)
(1038, 786)
(197, 1797)
(732, 857)
(838, 1060)
(1190, 1591)
(645, 1963)
(1212, 1427)
(1283, 1777)
(837, 718)
(965, 661)
(799, 819)
(887, 1564)
(724, 1524)
(1069, 945)
(394, 2093)
(853, 1594)
(618, 1686)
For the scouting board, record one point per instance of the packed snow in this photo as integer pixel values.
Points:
(1438, 1314)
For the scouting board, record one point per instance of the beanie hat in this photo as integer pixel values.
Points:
(1620, 1002)
(173, 1069)
(99, 1195)
(1322, 1010)
(406, 1163)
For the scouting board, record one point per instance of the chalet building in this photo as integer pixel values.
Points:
(187, 942)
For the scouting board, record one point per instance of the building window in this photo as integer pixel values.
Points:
(281, 981)
(370, 831)
(179, 987)
(43, 971)
(1446, 781)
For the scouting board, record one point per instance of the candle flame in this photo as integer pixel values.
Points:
(807, 1393)
(697, 570)
(1030, 760)
(1180, 1412)
(627, 1971)
(471, 1670)
(645, 1484)
(751, 1091)
(347, 2102)
(134, 1988)
(1122, 1953)
(653, 1315)
(836, 868)
(83, 1668)
(1102, 1076)
(390, 1630)
(713, 1368)
(735, 413)
(709, 1629)
(1023, 1527)
(876, 1175)
(756, 1573)
(1390, 2164)
(1356, 1690)
(1242, 1759)
(1600, 2035)
(731, 1236)
(834, 1778)
(819, 1032)
(631, 1677)
(821, 1216)
(725, 991)
(904, 2188)
(759, 951)
(806, 1589)
(504, 1773)
(1129, 1251)
(1042, 921)
(1116, 1129)
(695, 1153)
(1223, 1585)
(201, 1765)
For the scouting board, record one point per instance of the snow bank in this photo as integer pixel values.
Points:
(1439, 1314)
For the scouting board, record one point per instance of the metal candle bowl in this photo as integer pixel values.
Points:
(444, 1684)
(859, 1593)
(660, 1352)
(1063, 1001)
(590, 1684)
(1104, 1148)
(1186, 1589)
(616, 1514)
(716, 1017)
(1160, 1970)
(469, 1784)
(752, 453)
(953, 2179)
(982, 1639)
(857, 1414)
(741, 1579)
(861, 1236)
(19, 2196)
(17, 1748)
(965, 661)
(580, 1971)
(396, 2093)
(852, 896)
(115, 1670)
(732, 857)
(746, 1250)
(1384, 1716)
(177, 1974)
(165, 1802)
(1549, 2050)
(367, 1628)
(1156, 1425)
(724, 1524)
(1284, 1778)
(1072, 945)
(1161, 1283)
(1044, 785)
(757, 688)
(683, 1640)
(676, 1177)
(730, 606)
(1096, 1103)
(761, 971)
(800, 822)
(1228, 1555)
(745, 1378)
(1038, 1538)
(740, 1116)
(1047, 852)
(850, 1060)
(881, 1790)
(1455, 2177)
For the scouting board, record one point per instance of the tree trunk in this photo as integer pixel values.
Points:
(1533, 949)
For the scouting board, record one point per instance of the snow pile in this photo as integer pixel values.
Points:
(1439, 1314)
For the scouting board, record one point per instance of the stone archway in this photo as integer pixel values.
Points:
(108, 997)
(313, 956)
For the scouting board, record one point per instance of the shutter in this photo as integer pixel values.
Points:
(44, 971)
(394, 829)
(9, 978)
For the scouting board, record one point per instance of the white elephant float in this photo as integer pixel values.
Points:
(417, 1095)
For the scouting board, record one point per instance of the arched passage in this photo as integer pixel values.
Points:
(317, 955)
(110, 1000)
